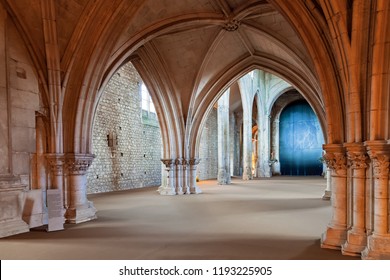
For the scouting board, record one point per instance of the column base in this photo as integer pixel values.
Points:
(378, 248)
(8, 228)
(221, 177)
(186, 190)
(333, 238)
(356, 242)
(164, 190)
(196, 190)
(247, 177)
(327, 195)
(261, 173)
(80, 214)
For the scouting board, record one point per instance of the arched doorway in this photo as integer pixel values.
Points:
(300, 141)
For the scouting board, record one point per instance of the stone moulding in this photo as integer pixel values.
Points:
(78, 164)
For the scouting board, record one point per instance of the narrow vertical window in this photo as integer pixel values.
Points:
(148, 109)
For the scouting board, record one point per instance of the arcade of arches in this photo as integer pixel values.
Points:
(234, 88)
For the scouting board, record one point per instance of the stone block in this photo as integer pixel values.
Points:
(22, 77)
(3, 98)
(21, 163)
(3, 75)
(23, 117)
(11, 199)
(33, 210)
(24, 99)
(23, 139)
(17, 49)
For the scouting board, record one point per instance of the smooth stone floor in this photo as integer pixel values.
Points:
(278, 218)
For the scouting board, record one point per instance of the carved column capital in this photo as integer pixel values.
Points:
(336, 161)
(357, 160)
(56, 163)
(194, 161)
(379, 152)
(78, 164)
(179, 161)
(168, 162)
(380, 164)
(357, 155)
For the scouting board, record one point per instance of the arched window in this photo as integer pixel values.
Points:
(148, 109)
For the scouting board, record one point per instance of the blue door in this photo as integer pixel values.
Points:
(301, 141)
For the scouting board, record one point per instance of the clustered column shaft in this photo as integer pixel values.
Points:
(180, 177)
(360, 199)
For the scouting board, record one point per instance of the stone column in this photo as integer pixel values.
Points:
(179, 176)
(223, 140)
(264, 164)
(40, 153)
(186, 176)
(275, 170)
(194, 189)
(378, 244)
(80, 209)
(236, 145)
(356, 236)
(168, 185)
(247, 145)
(56, 163)
(336, 234)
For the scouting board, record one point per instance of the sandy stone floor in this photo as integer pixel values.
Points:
(278, 218)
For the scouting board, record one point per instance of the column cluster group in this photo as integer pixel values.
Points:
(179, 177)
(360, 199)
(68, 173)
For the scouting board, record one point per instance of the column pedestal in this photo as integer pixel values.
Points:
(355, 244)
(378, 247)
(11, 204)
(80, 209)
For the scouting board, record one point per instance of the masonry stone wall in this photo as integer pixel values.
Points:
(208, 148)
(127, 143)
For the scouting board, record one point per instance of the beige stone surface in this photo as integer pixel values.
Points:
(258, 219)
(23, 139)
(56, 57)
(23, 118)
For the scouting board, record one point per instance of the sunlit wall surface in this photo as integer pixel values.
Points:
(301, 141)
